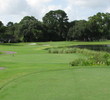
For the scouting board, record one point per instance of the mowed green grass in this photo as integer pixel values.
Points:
(74, 84)
(34, 74)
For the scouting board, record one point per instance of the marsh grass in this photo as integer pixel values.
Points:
(64, 50)
(93, 58)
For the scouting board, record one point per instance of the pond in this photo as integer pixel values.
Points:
(95, 47)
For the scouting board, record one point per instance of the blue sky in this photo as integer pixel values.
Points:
(15, 10)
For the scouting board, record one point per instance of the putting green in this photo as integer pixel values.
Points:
(66, 84)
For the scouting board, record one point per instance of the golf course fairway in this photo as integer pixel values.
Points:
(31, 73)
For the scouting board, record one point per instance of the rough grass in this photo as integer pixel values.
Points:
(34, 74)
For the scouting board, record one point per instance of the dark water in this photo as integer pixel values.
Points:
(95, 47)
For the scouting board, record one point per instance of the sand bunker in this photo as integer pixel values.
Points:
(9, 52)
(32, 43)
(46, 45)
(1, 68)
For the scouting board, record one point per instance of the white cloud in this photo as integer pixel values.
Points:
(90, 3)
(13, 6)
(107, 10)
(14, 10)
(82, 9)
(40, 7)
(35, 3)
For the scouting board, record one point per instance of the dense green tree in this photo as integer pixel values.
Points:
(56, 23)
(9, 33)
(99, 26)
(106, 26)
(30, 29)
(96, 28)
(2, 31)
(78, 31)
(55, 27)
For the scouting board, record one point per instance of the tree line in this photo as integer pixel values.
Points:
(55, 26)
